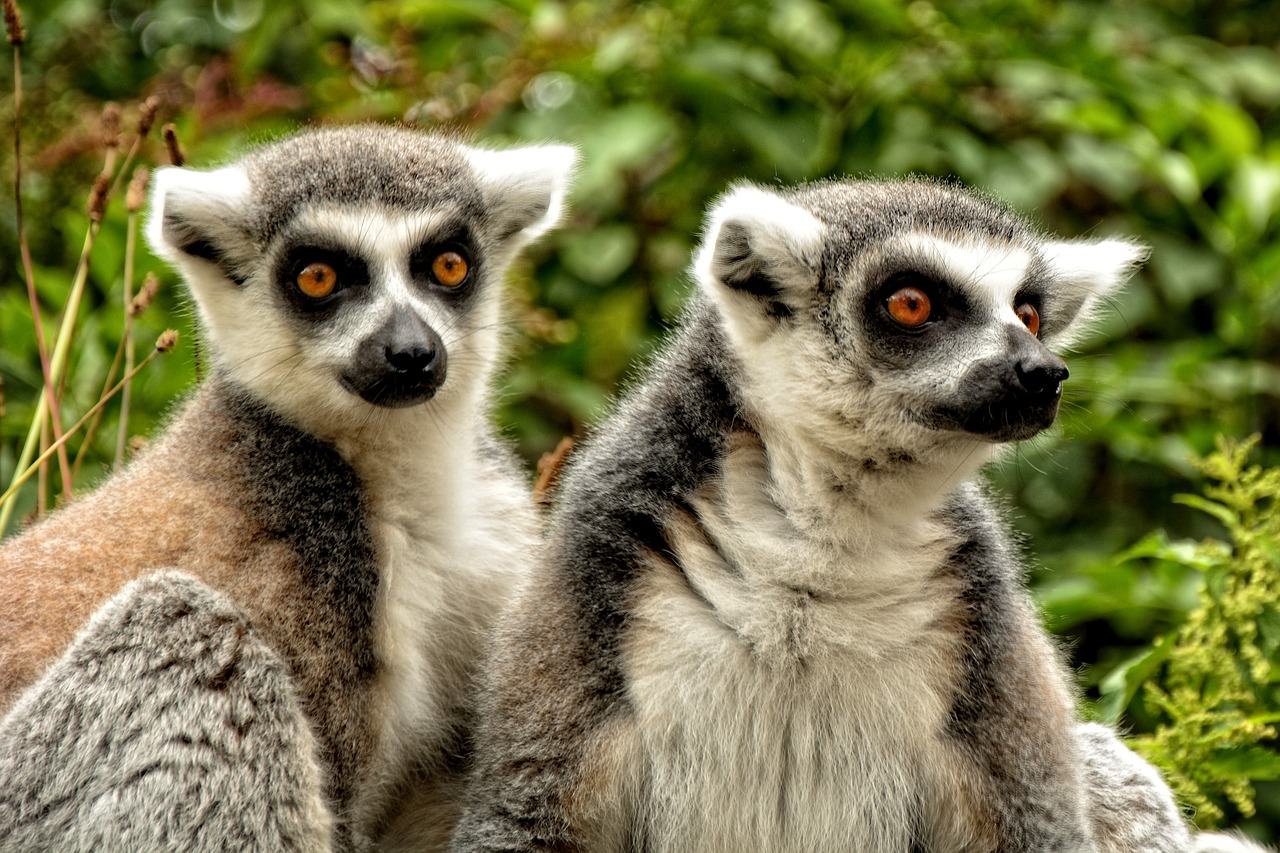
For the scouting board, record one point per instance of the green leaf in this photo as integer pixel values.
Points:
(1224, 514)
(1124, 682)
(602, 254)
(1252, 762)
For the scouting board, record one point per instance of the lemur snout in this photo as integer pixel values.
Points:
(1042, 380)
(402, 364)
(412, 360)
(1022, 404)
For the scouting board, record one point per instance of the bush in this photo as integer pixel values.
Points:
(1211, 683)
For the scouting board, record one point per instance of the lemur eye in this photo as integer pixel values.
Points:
(317, 280)
(450, 268)
(1029, 316)
(910, 307)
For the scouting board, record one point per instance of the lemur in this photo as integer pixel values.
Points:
(776, 612)
(335, 480)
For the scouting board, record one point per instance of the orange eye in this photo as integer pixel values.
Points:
(450, 269)
(1029, 316)
(317, 280)
(910, 306)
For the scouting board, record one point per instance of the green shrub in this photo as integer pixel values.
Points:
(1212, 683)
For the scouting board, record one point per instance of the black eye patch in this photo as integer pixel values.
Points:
(942, 300)
(298, 260)
(457, 245)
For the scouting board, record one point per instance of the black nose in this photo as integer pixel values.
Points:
(411, 349)
(415, 358)
(1042, 380)
(401, 364)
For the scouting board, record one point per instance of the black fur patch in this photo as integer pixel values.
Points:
(737, 265)
(992, 717)
(670, 442)
(191, 239)
(304, 495)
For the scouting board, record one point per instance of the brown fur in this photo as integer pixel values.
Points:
(179, 505)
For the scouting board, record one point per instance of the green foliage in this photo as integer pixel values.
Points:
(1211, 684)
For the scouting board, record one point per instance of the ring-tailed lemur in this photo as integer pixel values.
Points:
(776, 613)
(336, 476)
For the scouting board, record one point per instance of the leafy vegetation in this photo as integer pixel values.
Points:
(1152, 119)
(1211, 682)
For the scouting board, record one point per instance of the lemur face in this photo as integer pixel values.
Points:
(910, 313)
(373, 296)
(953, 330)
(361, 267)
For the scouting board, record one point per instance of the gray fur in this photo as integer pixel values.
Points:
(775, 612)
(150, 731)
(1130, 807)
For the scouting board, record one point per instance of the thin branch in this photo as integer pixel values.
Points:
(126, 339)
(13, 23)
(143, 298)
(164, 344)
(61, 349)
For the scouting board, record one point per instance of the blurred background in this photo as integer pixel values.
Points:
(1155, 119)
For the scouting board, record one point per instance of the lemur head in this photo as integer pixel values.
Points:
(345, 272)
(909, 315)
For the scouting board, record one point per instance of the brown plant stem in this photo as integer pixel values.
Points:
(97, 204)
(57, 364)
(163, 345)
(92, 432)
(126, 339)
(145, 120)
(25, 250)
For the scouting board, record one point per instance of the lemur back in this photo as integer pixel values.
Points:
(335, 477)
(776, 613)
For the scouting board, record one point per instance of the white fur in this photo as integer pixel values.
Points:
(801, 668)
(795, 679)
(523, 178)
(991, 273)
(807, 401)
(785, 237)
(454, 530)
(1101, 265)
(213, 194)
(1226, 843)
(825, 416)
(1090, 271)
(453, 539)
(778, 228)
(452, 535)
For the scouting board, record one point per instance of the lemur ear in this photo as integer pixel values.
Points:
(201, 216)
(1085, 273)
(761, 247)
(524, 188)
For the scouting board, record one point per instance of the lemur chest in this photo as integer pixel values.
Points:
(424, 649)
(792, 694)
(443, 576)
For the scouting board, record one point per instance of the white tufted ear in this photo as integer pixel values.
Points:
(201, 215)
(1084, 274)
(525, 188)
(759, 245)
